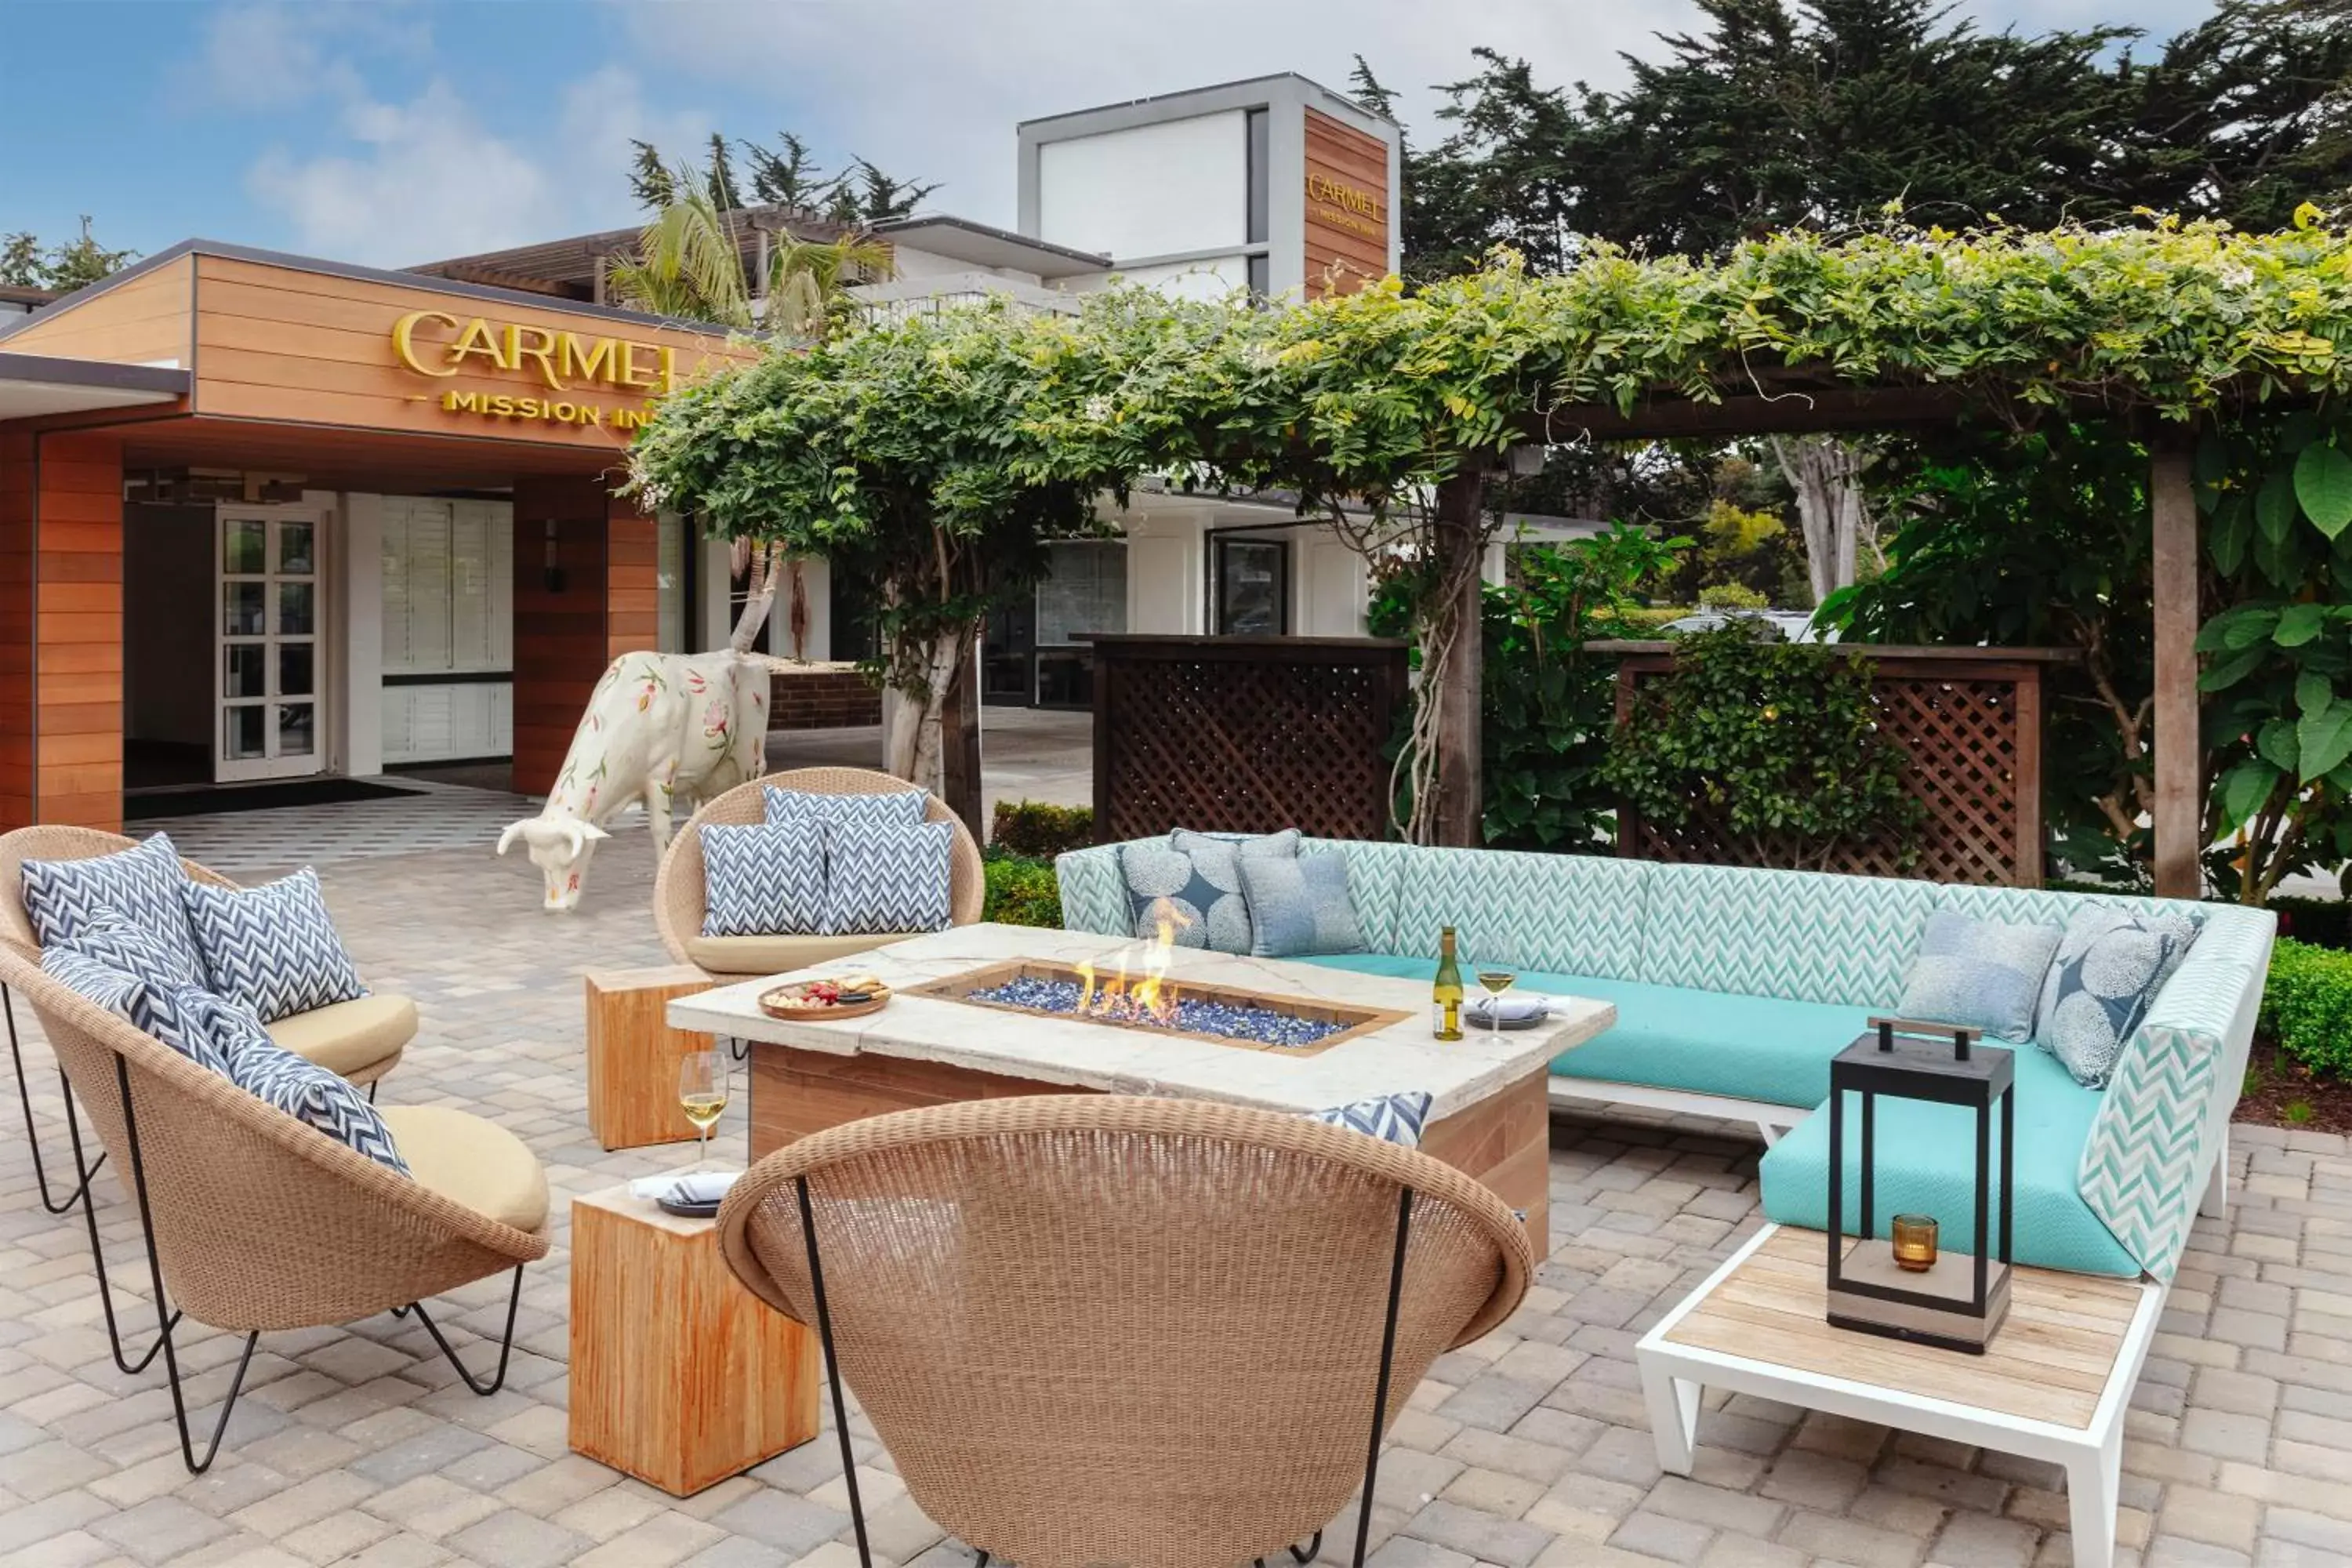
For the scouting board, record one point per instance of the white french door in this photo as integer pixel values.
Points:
(267, 676)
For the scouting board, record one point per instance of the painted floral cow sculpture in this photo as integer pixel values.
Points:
(659, 726)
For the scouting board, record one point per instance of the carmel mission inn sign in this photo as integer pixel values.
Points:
(539, 376)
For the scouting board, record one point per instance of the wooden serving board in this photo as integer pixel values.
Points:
(779, 1004)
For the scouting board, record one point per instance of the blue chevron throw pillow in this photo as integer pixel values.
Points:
(886, 808)
(273, 948)
(888, 878)
(763, 881)
(143, 885)
(1395, 1118)
(314, 1097)
(131, 974)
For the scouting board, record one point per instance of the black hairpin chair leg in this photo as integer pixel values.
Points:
(32, 1135)
(97, 1263)
(506, 1342)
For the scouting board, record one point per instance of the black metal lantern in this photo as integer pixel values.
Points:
(1953, 1299)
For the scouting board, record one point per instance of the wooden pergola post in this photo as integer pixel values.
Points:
(1461, 798)
(2180, 754)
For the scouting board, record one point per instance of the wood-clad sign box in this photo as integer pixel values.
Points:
(1347, 207)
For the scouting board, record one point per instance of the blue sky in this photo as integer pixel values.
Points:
(402, 131)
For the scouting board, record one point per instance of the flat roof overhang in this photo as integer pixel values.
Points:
(33, 387)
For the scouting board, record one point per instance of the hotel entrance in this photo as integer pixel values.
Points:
(265, 519)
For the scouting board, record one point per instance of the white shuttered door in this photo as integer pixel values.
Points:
(448, 611)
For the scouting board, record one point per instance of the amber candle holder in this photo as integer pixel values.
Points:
(1913, 1237)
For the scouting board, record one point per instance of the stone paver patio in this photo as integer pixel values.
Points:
(1531, 1448)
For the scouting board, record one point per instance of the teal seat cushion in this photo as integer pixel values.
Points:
(1927, 1164)
(1765, 1049)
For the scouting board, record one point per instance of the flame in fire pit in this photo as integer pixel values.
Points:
(1146, 996)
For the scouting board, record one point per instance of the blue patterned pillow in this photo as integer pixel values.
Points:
(763, 880)
(314, 1097)
(888, 878)
(131, 973)
(273, 948)
(889, 808)
(2109, 967)
(1982, 973)
(1299, 905)
(1395, 1118)
(1199, 874)
(143, 885)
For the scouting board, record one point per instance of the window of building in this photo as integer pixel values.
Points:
(1252, 584)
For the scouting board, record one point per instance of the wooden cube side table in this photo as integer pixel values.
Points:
(632, 1054)
(681, 1376)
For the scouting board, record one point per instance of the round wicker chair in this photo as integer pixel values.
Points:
(1124, 1330)
(678, 891)
(254, 1222)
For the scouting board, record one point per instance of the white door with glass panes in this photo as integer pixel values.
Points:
(268, 682)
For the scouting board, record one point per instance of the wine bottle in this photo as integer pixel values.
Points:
(1445, 999)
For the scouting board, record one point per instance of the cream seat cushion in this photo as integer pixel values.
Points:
(471, 1162)
(747, 955)
(349, 1038)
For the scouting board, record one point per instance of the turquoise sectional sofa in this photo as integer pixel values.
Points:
(1733, 988)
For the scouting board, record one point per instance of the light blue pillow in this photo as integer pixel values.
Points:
(888, 808)
(273, 948)
(314, 1097)
(1984, 974)
(2110, 964)
(1200, 876)
(1299, 905)
(888, 880)
(1394, 1118)
(763, 880)
(144, 885)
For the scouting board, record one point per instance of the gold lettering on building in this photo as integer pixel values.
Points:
(558, 360)
(1352, 207)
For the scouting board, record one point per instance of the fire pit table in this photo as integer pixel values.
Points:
(983, 1011)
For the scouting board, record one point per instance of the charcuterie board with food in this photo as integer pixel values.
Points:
(817, 1001)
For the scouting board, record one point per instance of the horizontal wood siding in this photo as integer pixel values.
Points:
(560, 643)
(1341, 257)
(283, 344)
(631, 587)
(143, 321)
(60, 630)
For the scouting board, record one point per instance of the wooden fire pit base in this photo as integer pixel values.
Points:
(1505, 1140)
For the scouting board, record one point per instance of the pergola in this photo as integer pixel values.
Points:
(1790, 403)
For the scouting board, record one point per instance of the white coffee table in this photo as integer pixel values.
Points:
(1489, 1114)
(2053, 1385)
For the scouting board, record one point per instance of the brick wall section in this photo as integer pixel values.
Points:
(61, 629)
(823, 699)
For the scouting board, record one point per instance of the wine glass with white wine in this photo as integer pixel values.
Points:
(702, 1095)
(1497, 982)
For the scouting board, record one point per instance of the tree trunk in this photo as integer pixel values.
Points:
(766, 560)
(1826, 474)
(913, 751)
(1455, 679)
(960, 733)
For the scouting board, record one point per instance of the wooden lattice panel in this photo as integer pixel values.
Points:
(1969, 721)
(1245, 735)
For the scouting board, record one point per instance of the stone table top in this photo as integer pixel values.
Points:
(1397, 1059)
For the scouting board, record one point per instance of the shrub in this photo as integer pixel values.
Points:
(1731, 596)
(1033, 828)
(2307, 1005)
(1774, 745)
(1022, 890)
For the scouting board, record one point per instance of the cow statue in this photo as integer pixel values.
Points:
(659, 726)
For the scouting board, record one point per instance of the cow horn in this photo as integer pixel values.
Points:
(579, 840)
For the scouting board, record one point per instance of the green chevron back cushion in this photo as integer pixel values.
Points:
(1568, 914)
(1798, 934)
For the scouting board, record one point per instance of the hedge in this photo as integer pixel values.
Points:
(2307, 1005)
(1033, 828)
(1022, 890)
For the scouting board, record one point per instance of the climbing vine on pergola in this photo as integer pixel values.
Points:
(1395, 406)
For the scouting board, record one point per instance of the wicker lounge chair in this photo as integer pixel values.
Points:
(362, 1041)
(678, 894)
(254, 1222)
(1123, 1330)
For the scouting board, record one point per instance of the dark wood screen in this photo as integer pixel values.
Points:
(1970, 719)
(1244, 734)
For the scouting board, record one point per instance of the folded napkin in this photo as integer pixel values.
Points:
(1486, 1009)
(691, 1187)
